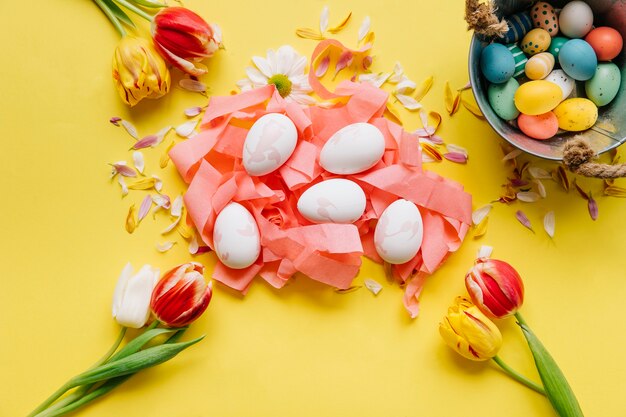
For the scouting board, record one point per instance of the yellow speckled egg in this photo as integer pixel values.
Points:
(576, 114)
(536, 41)
(539, 66)
(537, 97)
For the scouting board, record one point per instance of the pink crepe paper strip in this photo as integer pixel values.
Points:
(330, 253)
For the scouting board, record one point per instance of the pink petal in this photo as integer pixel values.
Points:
(115, 120)
(367, 62)
(144, 209)
(345, 59)
(146, 142)
(192, 85)
(426, 132)
(323, 66)
(123, 169)
(161, 201)
(457, 157)
(593, 208)
(521, 217)
(193, 111)
(437, 140)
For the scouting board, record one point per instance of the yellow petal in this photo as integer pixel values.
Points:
(341, 26)
(424, 88)
(308, 33)
(131, 221)
(143, 184)
(472, 107)
(165, 157)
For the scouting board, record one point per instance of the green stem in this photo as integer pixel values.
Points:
(517, 376)
(64, 388)
(112, 18)
(130, 6)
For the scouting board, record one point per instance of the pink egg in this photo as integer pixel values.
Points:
(541, 126)
(606, 42)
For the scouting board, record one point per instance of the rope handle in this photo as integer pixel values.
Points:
(482, 19)
(577, 156)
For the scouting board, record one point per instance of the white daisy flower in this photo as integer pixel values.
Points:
(283, 68)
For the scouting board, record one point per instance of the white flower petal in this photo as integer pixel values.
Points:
(398, 73)
(177, 207)
(256, 76)
(324, 19)
(301, 98)
(297, 67)
(271, 62)
(287, 56)
(405, 86)
(135, 307)
(138, 161)
(365, 28)
(373, 285)
(263, 65)
(485, 251)
(120, 287)
(408, 102)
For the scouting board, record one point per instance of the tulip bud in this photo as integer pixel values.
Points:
(495, 287)
(181, 296)
(138, 71)
(469, 332)
(131, 298)
(181, 36)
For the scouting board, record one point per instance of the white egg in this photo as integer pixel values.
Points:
(576, 19)
(560, 78)
(353, 149)
(236, 238)
(333, 201)
(399, 232)
(270, 142)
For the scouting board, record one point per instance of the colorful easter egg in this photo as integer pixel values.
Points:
(352, 149)
(560, 78)
(502, 99)
(556, 44)
(236, 238)
(606, 42)
(519, 57)
(604, 85)
(576, 19)
(536, 41)
(399, 232)
(578, 59)
(518, 25)
(576, 114)
(537, 97)
(497, 63)
(539, 66)
(269, 143)
(544, 17)
(541, 126)
(332, 201)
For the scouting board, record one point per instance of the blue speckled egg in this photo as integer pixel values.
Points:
(497, 63)
(578, 59)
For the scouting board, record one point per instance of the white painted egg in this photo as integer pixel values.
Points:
(399, 232)
(560, 78)
(270, 142)
(236, 238)
(353, 149)
(576, 19)
(333, 201)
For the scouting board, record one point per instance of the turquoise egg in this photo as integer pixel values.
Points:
(502, 99)
(497, 63)
(578, 59)
(604, 85)
(556, 44)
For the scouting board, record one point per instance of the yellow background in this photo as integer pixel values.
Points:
(304, 350)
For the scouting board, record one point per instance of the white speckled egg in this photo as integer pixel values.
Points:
(236, 238)
(560, 78)
(332, 201)
(399, 232)
(353, 149)
(270, 142)
(576, 19)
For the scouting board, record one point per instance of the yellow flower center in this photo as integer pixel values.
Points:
(282, 83)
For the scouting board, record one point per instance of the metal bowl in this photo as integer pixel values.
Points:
(610, 129)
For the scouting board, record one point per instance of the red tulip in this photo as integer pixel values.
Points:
(495, 287)
(183, 38)
(181, 296)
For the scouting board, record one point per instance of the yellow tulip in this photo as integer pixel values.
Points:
(139, 71)
(469, 332)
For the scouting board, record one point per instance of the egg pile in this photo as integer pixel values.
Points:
(533, 72)
(353, 149)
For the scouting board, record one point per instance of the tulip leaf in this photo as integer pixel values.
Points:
(148, 3)
(133, 363)
(557, 389)
(139, 342)
(118, 13)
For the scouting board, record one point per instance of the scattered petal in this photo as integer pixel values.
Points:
(144, 208)
(424, 88)
(365, 28)
(518, 182)
(184, 230)
(367, 62)
(436, 140)
(448, 97)
(165, 157)
(484, 251)
(436, 119)
(164, 247)
(481, 228)
(341, 25)
(582, 192)
(131, 223)
(192, 85)
(405, 86)
(122, 169)
(146, 142)
(398, 73)
(143, 184)
(472, 108)
(186, 129)
(456, 148)
(161, 201)
(467, 86)
(377, 80)
(162, 133)
(373, 285)
(171, 226)
(193, 111)
(347, 290)
(177, 207)
(615, 191)
(539, 173)
(521, 217)
(512, 155)
(593, 207)
(549, 223)
(457, 157)
(426, 132)
(480, 213)
(158, 183)
(431, 151)
(139, 161)
(308, 33)
(540, 188)
(528, 196)
(130, 128)
(122, 183)
(115, 120)
(322, 67)
(345, 60)
(560, 176)
(193, 244)
(324, 19)
(408, 102)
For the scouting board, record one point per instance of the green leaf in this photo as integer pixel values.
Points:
(118, 13)
(132, 363)
(557, 389)
(148, 3)
(139, 342)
